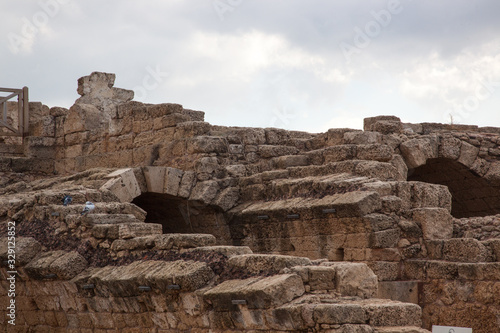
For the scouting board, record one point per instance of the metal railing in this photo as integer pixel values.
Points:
(22, 109)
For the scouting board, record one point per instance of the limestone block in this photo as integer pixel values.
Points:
(82, 117)
(227, 198)
(123, 185)
(375, 152)
(335, 136)
(158, 110)
(283, 162)
(417, 151)
(403, 291)
(205, 191)
(354, 279)
(131, 230)
(65, 265)
(137, 243)
(493, 174)
(184, 241)
(267, 151)
(26, 248)
(436, 223)
(450, 148)
(357, 203)
(318, 277)
(387, 313)
(468, 154)
(259, 293)
(385, 239)
(93, 218)
(186, 184)
(430, 195)
(370, 121)
(494, 246)
(190, 129)
(125, 280)
(464, 250)
(399, 163)
(237, 170)
(194, 115)
(228, 251)
(387, 127)
(339, 314)
(69, 265)
(266, 262)
(173, 179)
(155, 178)
(339, 153)
(359, 138)
(97, 89)
(207, 144)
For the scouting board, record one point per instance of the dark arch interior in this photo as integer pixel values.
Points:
(178, 215)
(472, 195)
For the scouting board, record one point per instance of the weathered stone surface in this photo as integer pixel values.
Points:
(173, 179)
(259, 293)
(183, 241)
(354, 279)
(266, 262)
(436, 223)
(155, 177)
(205, 191)
(357, 203)
(417, 151)
(23, 248)
(123, 185)
(65, 265)
(464, 250)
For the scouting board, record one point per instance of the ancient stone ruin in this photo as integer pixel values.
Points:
(205, 228)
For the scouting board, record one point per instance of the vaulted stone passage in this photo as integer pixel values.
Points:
(472, 195)
(178, 215)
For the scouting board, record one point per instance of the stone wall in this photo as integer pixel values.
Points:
(414, 202)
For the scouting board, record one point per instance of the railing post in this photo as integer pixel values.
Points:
(26, 113)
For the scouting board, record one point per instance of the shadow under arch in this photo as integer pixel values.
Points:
(472, 195)
(179, 215)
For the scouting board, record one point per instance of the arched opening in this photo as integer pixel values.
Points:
(472, 195)
(179, 215)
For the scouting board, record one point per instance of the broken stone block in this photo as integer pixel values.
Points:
(123, 185)
(186, 184)
(360, 138)
(227, 198)
(450, 148)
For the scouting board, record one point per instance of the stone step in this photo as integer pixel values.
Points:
(331, 310)
(164, 242)
(159, 276)
(61, 212)
(350, 204)
(266, 262)
(126, 230)
(256, 292)
(228, 251)
(93, 219)
(338, 153)
(79, 196)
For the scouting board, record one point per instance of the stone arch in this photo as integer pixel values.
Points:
(173, 198)
(472, 195)
(442, 159)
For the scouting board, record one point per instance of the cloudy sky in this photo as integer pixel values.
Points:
(303, 65)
